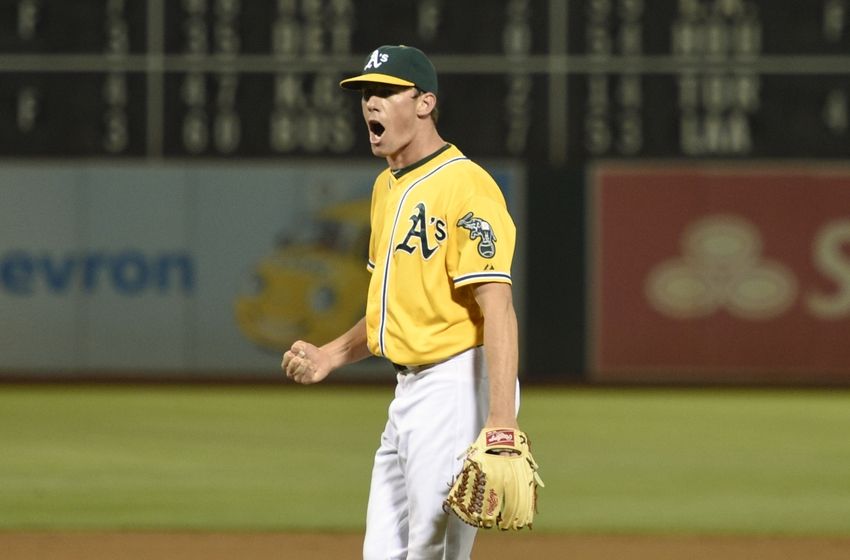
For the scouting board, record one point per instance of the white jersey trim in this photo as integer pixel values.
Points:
(385, 284)
(482, 277)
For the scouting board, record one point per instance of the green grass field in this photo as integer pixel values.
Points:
(298, 458)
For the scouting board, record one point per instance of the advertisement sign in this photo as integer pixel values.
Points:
(205, 269)
(720, 273)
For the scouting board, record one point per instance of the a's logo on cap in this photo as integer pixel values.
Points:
(376, 59)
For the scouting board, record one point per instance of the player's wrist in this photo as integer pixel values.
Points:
(502, 421)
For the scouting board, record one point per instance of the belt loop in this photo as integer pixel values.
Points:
(399, 368)
(405, 370)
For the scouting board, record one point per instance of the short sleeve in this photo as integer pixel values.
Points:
(485, 238)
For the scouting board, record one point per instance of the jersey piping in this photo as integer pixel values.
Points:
(385, 283)
(480, 276)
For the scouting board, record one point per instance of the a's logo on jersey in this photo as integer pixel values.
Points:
(376, 59)
(480, 229)
(419, 231)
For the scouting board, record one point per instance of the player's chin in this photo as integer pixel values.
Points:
(380, 149)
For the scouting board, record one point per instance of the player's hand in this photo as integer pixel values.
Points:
(305, 363)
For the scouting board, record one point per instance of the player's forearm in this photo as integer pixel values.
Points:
(350, 347)
(500, 349)
(501, 352)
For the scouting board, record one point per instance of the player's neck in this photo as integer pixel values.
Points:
(422, 146)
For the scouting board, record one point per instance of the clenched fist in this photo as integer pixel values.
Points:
(305, 363)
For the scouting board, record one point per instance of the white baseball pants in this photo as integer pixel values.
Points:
(436, 414)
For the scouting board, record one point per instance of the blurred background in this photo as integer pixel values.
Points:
(188, 177)
(184, 191)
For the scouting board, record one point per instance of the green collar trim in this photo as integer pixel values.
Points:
(399, 173)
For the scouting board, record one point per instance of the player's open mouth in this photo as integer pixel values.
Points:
(376, 130)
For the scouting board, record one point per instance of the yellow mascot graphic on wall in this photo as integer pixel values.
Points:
(311, 288)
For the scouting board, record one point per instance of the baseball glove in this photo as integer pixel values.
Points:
(493, 488)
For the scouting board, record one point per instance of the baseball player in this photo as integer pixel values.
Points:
(439, 309)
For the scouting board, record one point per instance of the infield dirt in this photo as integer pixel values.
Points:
(263, 546)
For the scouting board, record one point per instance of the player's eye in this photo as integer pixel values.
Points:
(380, 91)
(376, 91)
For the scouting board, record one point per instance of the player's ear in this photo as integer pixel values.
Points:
(425, 104)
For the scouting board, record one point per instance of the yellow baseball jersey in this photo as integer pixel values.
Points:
(437, 228)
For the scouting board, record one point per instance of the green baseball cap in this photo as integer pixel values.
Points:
(396, 65)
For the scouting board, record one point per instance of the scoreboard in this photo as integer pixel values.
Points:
(550, 81)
